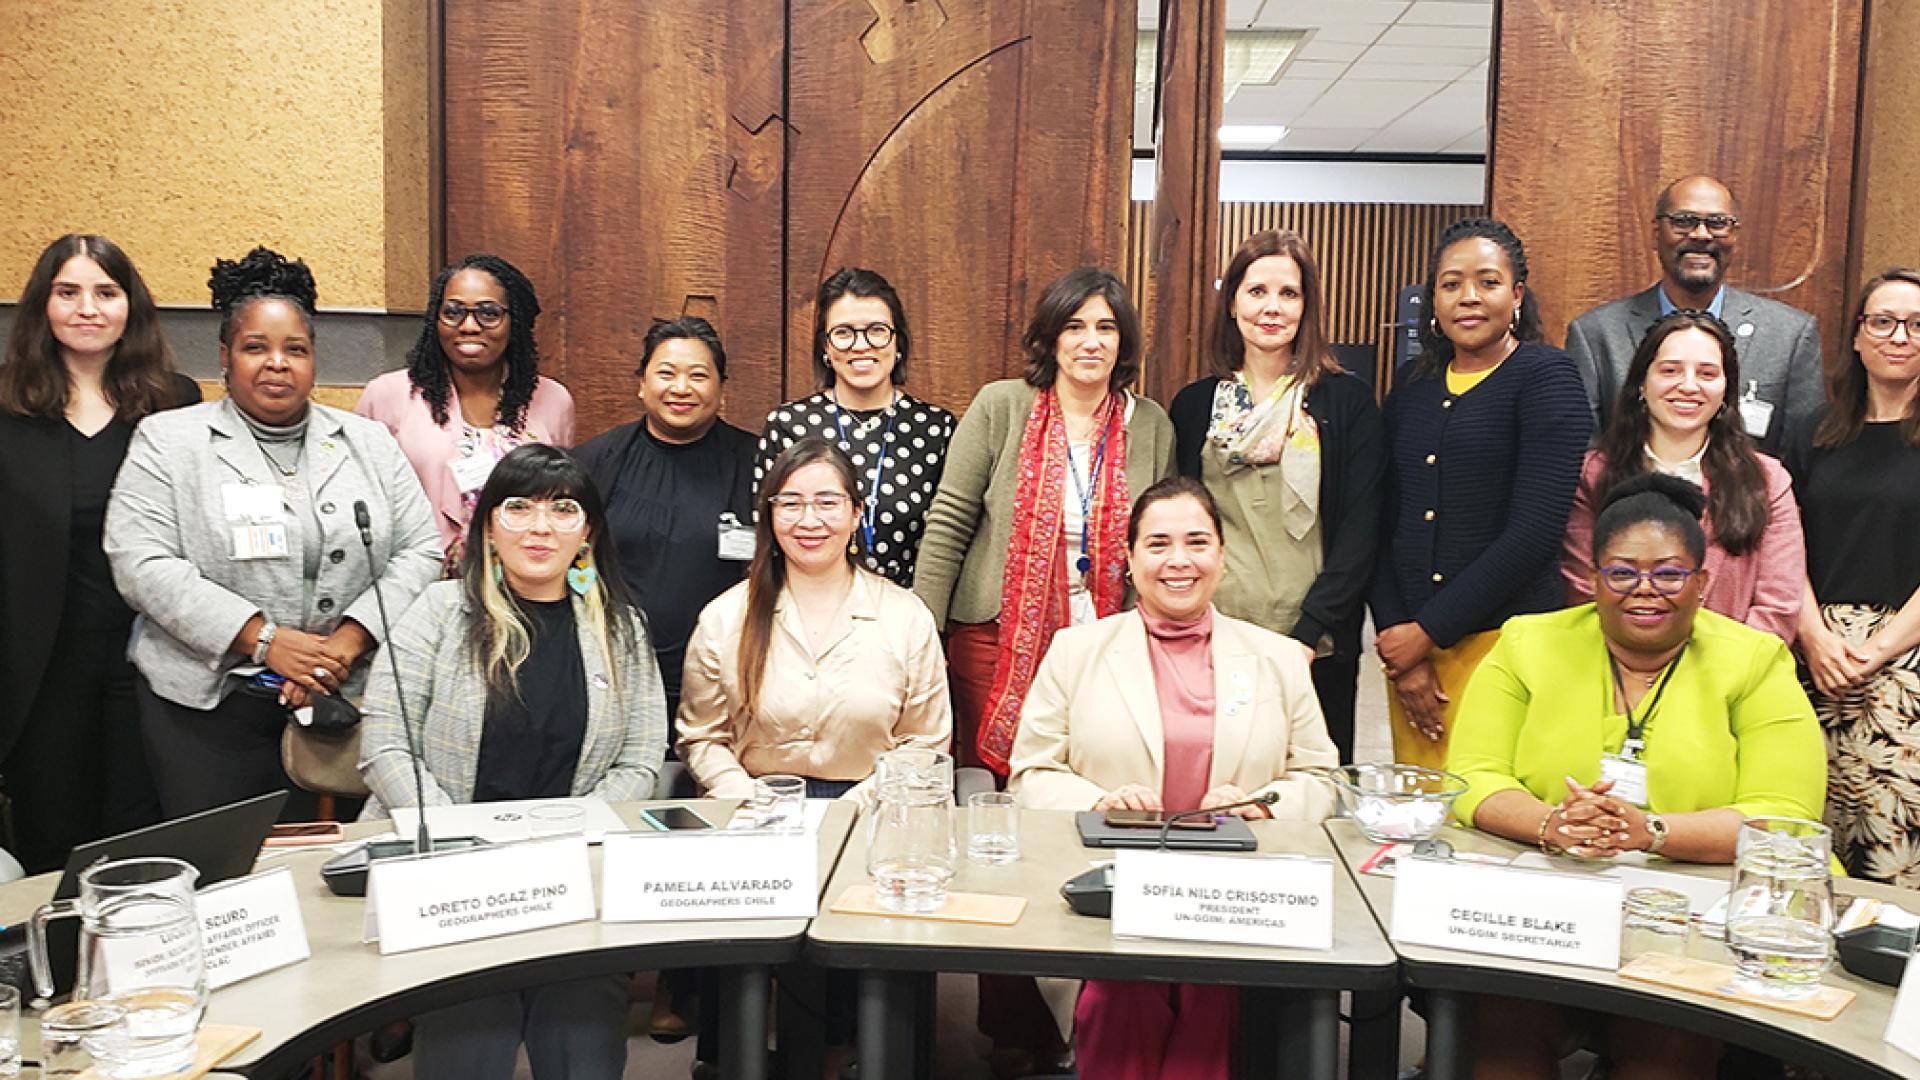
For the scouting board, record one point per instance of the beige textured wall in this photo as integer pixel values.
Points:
(1888, 198)
(188, 130)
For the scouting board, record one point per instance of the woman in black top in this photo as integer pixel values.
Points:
(1485, 441)
(897, 443)
(85, 362)
(1858, 482)
(1292, 448)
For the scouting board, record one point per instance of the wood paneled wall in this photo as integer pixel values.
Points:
(644, 160)
(1368, 252)
(1599, 106)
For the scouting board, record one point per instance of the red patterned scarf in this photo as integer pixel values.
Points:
(1033, 598)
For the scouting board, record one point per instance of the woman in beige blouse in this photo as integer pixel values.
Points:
(850, 664)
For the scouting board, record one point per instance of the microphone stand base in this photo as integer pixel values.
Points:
(346, 875)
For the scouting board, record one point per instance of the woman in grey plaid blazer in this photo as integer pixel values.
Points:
(529, 677)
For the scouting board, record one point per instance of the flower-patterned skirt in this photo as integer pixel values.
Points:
(1873, 758)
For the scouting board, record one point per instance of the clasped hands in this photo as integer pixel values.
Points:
(1836, 664)
(1591, 824)
(314, 663)
(1403, 650)
(1141, 797)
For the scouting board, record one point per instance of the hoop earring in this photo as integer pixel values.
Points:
(1433, 327)
(1513, 324)
(581, 576)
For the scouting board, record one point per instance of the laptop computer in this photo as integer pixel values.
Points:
(506, 821)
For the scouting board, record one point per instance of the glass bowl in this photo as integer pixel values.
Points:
(1397, 803)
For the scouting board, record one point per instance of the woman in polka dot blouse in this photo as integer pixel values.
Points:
(898, 444)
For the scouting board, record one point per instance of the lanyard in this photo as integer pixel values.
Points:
(1637, 726)
(873, 492)
(1085, 491)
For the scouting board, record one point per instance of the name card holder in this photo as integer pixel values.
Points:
(250, 925)
(708, 874)
(1903, 1024)
(448, 897)
(1277, 900)
(1507, 911)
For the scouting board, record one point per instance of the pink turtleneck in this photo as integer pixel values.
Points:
(1182, 658)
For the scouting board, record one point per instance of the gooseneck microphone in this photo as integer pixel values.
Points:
(1264, 799)
(423, 842)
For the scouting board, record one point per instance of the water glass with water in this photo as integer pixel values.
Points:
(9, 1031)
(556, 819)
(1654, 920)
(1780, 912)
(993, 828)
(69, 1032)
(910, 842)
(780, 802)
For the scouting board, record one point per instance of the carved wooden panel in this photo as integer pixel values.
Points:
(627, 156)
(970, 150)
(1600, 105)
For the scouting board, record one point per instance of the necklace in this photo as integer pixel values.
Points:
(289, 470)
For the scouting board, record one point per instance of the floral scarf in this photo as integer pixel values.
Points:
(1033, 598)
(1278, 429)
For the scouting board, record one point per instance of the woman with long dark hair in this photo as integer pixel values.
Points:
(529, 677)
(1485, 438)
(1291, 447)
(1675, 417)
(1858, 479)
(472, 388)
(85, 362)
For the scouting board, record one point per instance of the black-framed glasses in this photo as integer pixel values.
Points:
(1666, 580)
(1684, 222)
(1882, 325)
(877, 335)
(487, 313)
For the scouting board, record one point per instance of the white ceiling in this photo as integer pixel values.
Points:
(1371, 76)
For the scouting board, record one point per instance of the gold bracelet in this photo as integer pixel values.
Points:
(1541, 837)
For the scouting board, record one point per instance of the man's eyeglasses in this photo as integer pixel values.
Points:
(1883, 326)
(1685, 223)
(518, 514)
(827, 506)
(1666, 580)
(878, 335)
(487, 313)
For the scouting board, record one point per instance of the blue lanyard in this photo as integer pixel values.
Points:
(1085, 491)
(873, 490)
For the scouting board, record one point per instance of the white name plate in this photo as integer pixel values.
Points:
(721, 874)
(1240, 900)
(1503, 911)
(1903, 1025)
(250, 925)
(414, 903)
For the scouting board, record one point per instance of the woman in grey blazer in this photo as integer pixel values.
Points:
(529, 677)
(231, 533)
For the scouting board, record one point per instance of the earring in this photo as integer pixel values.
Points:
(499, 571)
(1514, 323)
(1433, 326)
(582, 577)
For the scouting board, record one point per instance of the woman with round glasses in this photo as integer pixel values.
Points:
(1637, 723)
(1858, 479)
(814, 666)
(1675, 419)
(471, 390)
(898, 444)
(528, 677)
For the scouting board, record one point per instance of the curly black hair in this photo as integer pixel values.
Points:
(429, 370)
(264, 274)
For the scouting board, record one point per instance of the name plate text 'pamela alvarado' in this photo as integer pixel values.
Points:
(1505, 911)
(709, 874)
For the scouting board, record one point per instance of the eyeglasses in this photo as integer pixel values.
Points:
(518, 514)
(878, 335)
(487, 313)
(1684, 223)
(827, 506)
(1883, 326)
(1666, 580)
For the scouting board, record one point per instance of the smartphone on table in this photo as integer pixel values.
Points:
(304, 833)
(1154, 819)
(673, 819)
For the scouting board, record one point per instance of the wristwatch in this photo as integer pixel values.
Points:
(265, 638)
(1656, 832)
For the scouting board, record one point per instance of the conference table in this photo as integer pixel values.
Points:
(1289, 998)
(347, 987)
(1849, 1045)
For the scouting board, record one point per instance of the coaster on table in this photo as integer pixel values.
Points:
(215, 1044)
(960, 907)
(1716, 980)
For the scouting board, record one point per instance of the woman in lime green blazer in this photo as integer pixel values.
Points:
(1636, 723)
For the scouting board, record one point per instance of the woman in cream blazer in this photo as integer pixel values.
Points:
(1170, 706)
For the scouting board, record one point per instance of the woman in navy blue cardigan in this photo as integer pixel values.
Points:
(1485, 441)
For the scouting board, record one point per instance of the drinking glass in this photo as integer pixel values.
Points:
(780, 803)
(9, 1031)
(68, 1033)
(556, 819)
(1780, 912)
(993, 828)
(1655, 920)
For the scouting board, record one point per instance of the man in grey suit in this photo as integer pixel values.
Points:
(1696, 225)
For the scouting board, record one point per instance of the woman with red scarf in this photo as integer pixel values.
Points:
(1028, 534)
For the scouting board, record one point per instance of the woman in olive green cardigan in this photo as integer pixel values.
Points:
(1637, 723)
